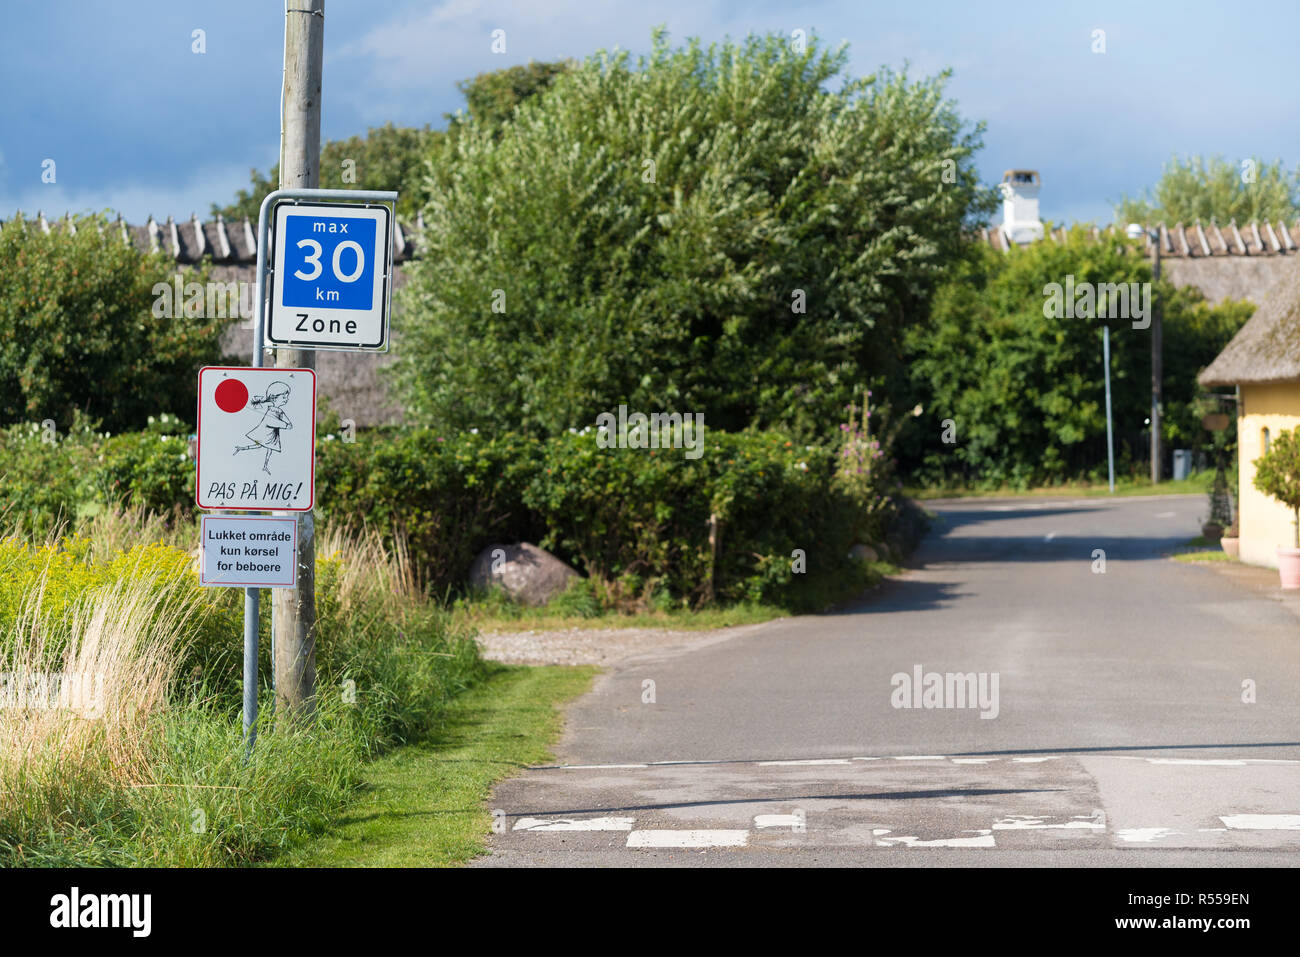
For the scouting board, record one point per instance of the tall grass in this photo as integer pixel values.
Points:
(144, 763)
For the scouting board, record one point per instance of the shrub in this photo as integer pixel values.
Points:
(446, 496)
(642, 517)
(78, 330)
(150, 469)
(43, 474)
(1277, 474)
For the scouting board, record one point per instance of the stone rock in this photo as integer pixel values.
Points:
(529, 574)
(864, 553)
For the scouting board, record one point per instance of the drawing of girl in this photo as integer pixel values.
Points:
(266, 434)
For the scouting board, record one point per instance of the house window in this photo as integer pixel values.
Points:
(1263, 439)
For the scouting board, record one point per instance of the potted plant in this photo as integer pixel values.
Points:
(1230, 541)
(1277, 474)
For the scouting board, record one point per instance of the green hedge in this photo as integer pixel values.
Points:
(637, 519)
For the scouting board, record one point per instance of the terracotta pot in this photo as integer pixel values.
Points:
(1288, 566)
(1211, 531)
(1231, 546)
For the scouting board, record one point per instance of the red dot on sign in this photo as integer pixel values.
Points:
(232, 395)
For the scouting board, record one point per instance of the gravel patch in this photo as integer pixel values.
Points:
(589, 646)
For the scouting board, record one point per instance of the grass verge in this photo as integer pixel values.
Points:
(424, 805)
(494, 616)
(1193, 485)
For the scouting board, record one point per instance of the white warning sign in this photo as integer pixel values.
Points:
(257, 439)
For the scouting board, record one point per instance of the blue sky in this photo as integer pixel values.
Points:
(137, 122)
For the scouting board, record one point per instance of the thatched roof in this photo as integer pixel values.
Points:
(1267, 347)
(1197, 241)
(190, 241)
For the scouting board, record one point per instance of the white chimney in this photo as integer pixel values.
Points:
(1020, 222)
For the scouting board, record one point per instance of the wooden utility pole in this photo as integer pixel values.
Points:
(1157, 363)
(294, 610)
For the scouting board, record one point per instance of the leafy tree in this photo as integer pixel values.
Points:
(738, 230)
(1277, 474)
(1025, 392)
(1216, 190)
(393, 157)
(491, 98)
(387, 157)
(77, 331)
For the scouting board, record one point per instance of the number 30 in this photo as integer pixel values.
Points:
(314, 261)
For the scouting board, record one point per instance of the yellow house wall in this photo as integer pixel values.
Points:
(1264, 522)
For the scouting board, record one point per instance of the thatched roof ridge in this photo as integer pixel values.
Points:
(1267, 347)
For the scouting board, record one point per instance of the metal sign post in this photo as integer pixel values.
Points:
(251, 595)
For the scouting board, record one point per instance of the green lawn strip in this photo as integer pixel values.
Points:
(486, 618)
(1198, 483)
(424, 805)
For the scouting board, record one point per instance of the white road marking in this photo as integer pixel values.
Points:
(778, 820)
(780, 764)
(594, 767)
(1143, 835)
(1208, 762)
(1165, 514)
(921, 757)
(1049, 536)
(1263, 822)
(868, 759)
(574, 824)
(984, 839)
(973, 760)
(688, 839)
(1031, 760)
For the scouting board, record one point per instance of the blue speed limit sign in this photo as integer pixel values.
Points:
(332, 265)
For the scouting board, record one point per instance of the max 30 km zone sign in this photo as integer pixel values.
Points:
(257, 439)
(330, 288)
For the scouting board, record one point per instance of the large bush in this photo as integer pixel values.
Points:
(77, 330)
(739, 230)
(635, 518)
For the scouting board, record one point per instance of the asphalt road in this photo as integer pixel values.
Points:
(1116, 732)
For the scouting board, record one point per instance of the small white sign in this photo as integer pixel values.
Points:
(257, 439)
(252, 552)
(332, 266)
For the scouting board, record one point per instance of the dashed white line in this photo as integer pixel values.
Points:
(707, 838)
(782, 764)
(778, 820)
(1143, 835)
